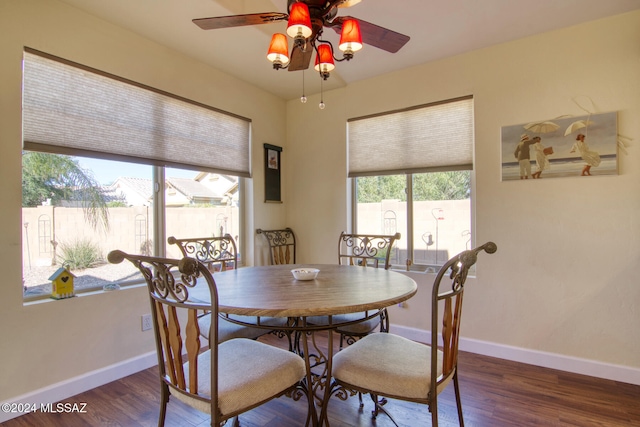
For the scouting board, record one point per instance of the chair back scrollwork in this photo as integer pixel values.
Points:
(217, 253)
(282, 245)
(366, 250)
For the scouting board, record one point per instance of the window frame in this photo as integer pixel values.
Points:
(158, 231)
(37, 139)
(409, 173)
(408, 238)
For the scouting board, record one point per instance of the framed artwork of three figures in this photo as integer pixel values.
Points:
(575, 146)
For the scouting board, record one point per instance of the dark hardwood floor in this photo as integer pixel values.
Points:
(495, 393)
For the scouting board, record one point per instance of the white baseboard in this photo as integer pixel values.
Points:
(73, 386)
(593, 368)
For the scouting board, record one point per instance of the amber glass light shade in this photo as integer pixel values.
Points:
(278, 49)
(350, 38)
(299, 20)
(324, 59)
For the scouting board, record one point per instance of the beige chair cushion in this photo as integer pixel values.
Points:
(249, 372)
(229, 330)
(388, 365)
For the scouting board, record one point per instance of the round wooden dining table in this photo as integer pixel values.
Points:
(338, 289)
(272, 291)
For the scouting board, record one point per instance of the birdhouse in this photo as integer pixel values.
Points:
(62, 284)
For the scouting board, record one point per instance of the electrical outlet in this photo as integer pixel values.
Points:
(146, 322)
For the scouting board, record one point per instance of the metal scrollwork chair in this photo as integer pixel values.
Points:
(282, 245)
(373, 250)
(224, 380)
(395, 367)
(221, 254)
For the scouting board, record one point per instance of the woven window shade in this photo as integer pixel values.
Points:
(428, 138)
(76, 110)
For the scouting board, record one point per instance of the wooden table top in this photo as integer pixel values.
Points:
(338, 289)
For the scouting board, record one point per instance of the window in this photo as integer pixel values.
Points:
(203, 206)
(411, 173)
(95, 148)
(93, 207)
(196, 210)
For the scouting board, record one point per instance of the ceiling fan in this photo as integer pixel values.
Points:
(318, 14)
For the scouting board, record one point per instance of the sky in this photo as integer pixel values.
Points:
(106, 171)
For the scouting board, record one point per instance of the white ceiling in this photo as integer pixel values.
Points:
(438, 29)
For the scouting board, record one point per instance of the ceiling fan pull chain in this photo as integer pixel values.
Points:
(303, 98)
(321, 105)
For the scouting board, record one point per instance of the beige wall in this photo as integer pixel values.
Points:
(101, 330)
(564, 279)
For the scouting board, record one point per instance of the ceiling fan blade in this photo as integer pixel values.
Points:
(375, 35)
(300, 60)
(239, 20)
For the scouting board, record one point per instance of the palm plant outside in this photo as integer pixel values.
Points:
(56, 178)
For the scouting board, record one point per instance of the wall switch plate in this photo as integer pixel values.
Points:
(146, 322)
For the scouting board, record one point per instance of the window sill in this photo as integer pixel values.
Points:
(417, 268)
(426, 269)
(46, 297)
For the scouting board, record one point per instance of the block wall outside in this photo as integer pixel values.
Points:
(130, 228)
(450, 235)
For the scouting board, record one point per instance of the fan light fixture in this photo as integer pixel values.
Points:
(299, 26)
(278, 51)
(350, 38)
(306, 21)
(324, 61)
(305, 34)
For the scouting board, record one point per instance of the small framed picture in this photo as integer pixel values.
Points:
(272, 159)
(272, 173)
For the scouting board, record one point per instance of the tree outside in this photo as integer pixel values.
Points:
(453, 185)
(54, 178)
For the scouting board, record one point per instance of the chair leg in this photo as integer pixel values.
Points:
(434, 414)
(290, 339)
(164, 399)
(378, 403)
(374, 398)
(456, 387)
(384, 321)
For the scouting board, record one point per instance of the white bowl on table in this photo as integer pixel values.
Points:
(305, 273)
